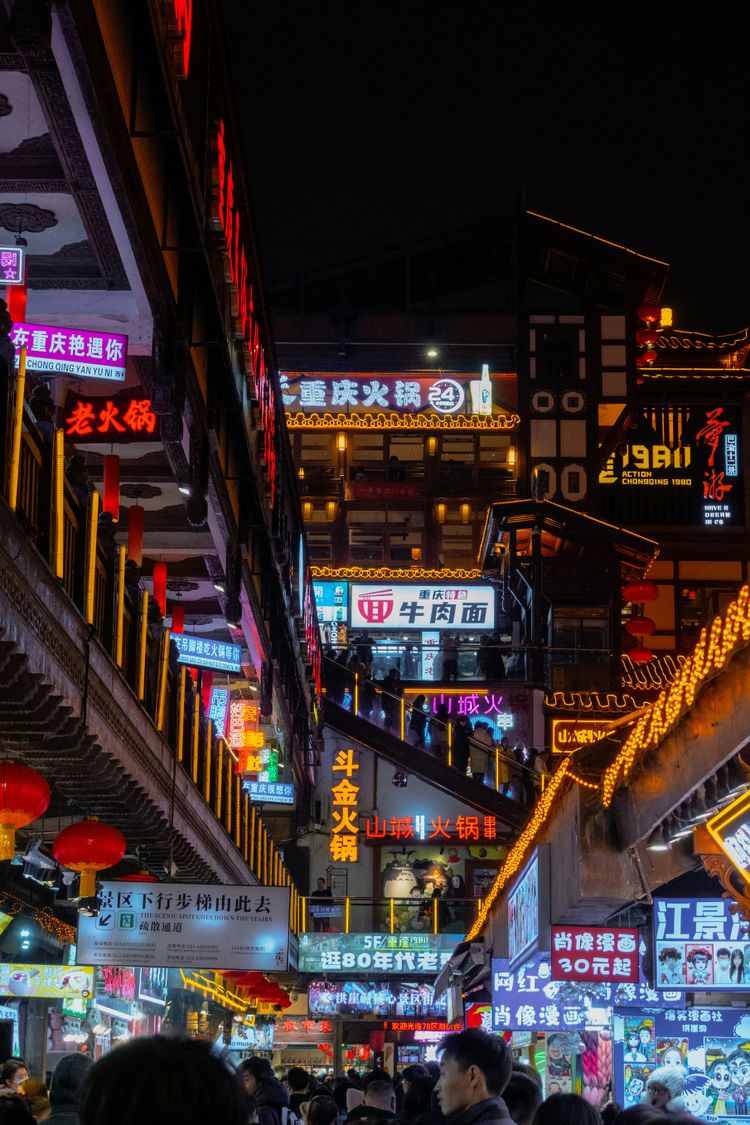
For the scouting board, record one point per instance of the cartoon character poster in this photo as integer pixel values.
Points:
(672, 1052)
(699, 965)
(640, 1041)
(636, 1078)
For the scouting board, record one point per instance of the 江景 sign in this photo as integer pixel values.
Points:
(200, 652)
(188, 925)
(594, 953)
(71, 351)
(381, 953)
(422, 607)
(700, 943)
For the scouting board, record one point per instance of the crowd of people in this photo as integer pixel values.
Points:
(176, 1081)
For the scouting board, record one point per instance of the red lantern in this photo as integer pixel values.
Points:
(160, 587)
(24, 796)
(135, 534)
(647, 337)
(87, 847)
(637, 592)
(138, 877)
(641, 655)
(640, 626)
(15, 298)
(178, 618)
(649, 314)
(111, 502)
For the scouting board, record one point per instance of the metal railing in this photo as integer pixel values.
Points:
(417, 912)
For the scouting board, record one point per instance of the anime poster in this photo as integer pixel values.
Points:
(639, 1041)
(711, 1044)
(698, 944)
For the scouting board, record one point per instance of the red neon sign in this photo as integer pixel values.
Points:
(88, 417)
(421, 1025)
(424, 828)
(183, 14)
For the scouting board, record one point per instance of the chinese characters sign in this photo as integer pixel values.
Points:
(407, 394)
(217, 709)
(351, 998)
(344, 845)
(381, 953)
(200, 652)
(49, 981)
(583, 953)
(121, 418)
(270, 792)
(11, 265)
(243, 731)
(331, 600)
(188, 925)
(424, 827)
(699, 943)
(569, 735)
(422, 1025)
(730, 828)
(422, 607)
(71, 351)
(528, 907)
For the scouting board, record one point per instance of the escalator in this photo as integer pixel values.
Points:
(342, 717)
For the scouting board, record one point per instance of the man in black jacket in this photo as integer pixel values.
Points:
(474, 1070)
(258, 1080)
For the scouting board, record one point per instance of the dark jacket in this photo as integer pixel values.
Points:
(490, 1111)
(270, 1099)
(370, 1112)
(65, 1089)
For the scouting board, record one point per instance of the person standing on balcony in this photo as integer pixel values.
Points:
(418, 721)
(391, 691)
(479, 751)
(461, 736)
(449, 647)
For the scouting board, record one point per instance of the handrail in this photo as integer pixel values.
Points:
(435, 910)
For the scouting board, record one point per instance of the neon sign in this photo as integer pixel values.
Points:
(730, 828)
(416, 828)
(243, 720)
(183, 14)
(569, 735)
(344, 845)
(199, 652)
(217, 709)
(71, 351)
(433, 607)
(11, 265)
(409, 393)
(88, 418)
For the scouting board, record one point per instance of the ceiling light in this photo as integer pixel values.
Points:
(432, 353)
(185, 489)
(220, 585)
(658, 842)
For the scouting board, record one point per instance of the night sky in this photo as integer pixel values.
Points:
(369, 125)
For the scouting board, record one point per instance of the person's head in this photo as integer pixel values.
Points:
(699, 959)
(417, 1096)
(738, 962)
(644, 1115)
(566, 1109)
(555, 1051)
(635, 1086)
(380, 1095)
(523, 1096)
(664, 1084)
(321, 887)
(697, 1095)
(253, 1072)
(474, 1065)
(161, 1081)
(631, 1041)
(13, 1074)
(669, 957)
(553, 1088)
(377, 1074)
(14, 1110)
(40, 1107)
(416, 1070)
(644, 1034)
(297, 1079)
(67, 1081)
(321, 1110)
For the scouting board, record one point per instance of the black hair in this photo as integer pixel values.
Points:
(260, 1068)
(160, 1081)
(297, 1079)
(322, 1110)
(649, 1115)
(14, 1110)
(418, 1098)
(567, 1109)
(474, 1047)
(379, 1088)
(10, 1070)
(415, 1070)
(523, 1096)
(377, 1074)
(520, 1067)
(433, 1068)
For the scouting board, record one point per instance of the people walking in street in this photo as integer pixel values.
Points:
(566, 1109)
(474, 1070)
(12, 1075)
(258, 1079)
(66, 1087)
(479, 751)
(418, 721)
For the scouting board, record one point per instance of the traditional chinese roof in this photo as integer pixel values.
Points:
(683, 354)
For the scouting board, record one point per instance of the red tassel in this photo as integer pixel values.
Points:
(111, 502)
(160, 586)
(178, 618)
(135, 534)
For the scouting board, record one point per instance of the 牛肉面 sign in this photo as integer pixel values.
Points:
(429, 606)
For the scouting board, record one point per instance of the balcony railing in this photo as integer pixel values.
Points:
(415, 913)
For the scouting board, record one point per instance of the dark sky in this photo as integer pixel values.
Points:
(367, 125)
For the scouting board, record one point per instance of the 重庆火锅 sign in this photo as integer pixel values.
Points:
(457, 607)
(71, 351)
(380, 953)
(188, 925)
(407, 394)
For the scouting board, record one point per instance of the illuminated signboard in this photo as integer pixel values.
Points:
(217, 709)
(388, 606)
(381, 953)
(53, 982)
(730, 828)
(387, 998)
(344, 843)
(594, 953)
(679, 465)
(270, 792)
(331, 600)
(243, 722)
(200, 652)
(406, 394)
(528, 907)
(71, 351)
(431, 827)
(121, 418)
(183, 17)
(188, 925)
(11, 265)
(700, 943)
(569, 735)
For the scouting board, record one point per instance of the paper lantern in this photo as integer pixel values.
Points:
(87, 847)
(15, 298)
(640, 626)
(24, 796)
(178, 618)
(160, 587)
(138, 877)
(641, 655)
(642, 591)
(649, 314)
(111, 502)
(135, 534)
(647, 337)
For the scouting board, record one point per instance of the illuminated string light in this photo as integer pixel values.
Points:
(393, 421)
(716, 644)
(580, 781)
(387, 574)
(580, 701)
(518, 852)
